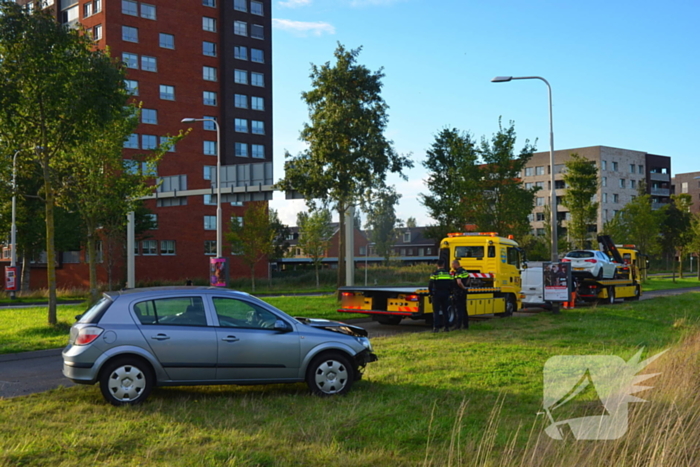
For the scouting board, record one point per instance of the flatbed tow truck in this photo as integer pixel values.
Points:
(627, 281)
(493, 264)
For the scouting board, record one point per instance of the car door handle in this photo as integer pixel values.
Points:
(230, 339)
(160, 337)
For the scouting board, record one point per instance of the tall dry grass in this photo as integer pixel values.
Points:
(662, 432)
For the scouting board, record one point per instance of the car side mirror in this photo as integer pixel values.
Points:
(282, 326)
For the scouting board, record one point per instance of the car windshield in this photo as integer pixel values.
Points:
(580, 254)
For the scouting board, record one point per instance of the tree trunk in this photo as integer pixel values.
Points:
(317, 280)
(50, 247)
(26, 273)
(252, 277)
(92, 265)
(341, 247)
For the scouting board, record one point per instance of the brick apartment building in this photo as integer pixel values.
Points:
(187, 59)
(620, 171)
(688, 183)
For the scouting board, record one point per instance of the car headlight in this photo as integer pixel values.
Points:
(365, 342)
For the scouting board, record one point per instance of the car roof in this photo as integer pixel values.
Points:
(170, 290)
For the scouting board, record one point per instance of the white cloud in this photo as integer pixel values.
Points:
(294, 3)
(302, 28)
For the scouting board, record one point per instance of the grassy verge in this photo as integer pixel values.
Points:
(654, 283)
(462, 398)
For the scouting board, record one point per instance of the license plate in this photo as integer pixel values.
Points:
(579, 269)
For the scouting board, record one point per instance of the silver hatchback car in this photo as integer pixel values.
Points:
(132, 341)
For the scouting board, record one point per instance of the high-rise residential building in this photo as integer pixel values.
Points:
(202, 59)
(689, 184)
(620, 173)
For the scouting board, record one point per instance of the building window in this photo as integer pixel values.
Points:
(240, 28)
(130, 34)
(209, 172)
(167, 247)
(539, 216)
(603, 165)
(210, 247)
(241, 150)
(148, 247)
(616, 198)
(257, 79)
(87, 10)
(622, 183)
(539, 201)
(604, 181)
(241, 125)
(165, 140)
(210, 200)
(240, 76)
(209, 98)
(208, 124)
(149, 116)
(257, 31)
(211, 3)
(209, 24)
(240, 5)
(209, 49)
(148, 11)
(632, 166)
(96, 3)
(258, 151)
(240, 52)
(167, 41)
(257, 56)
(614, 166)
(539, 170)
(256, 8)
(208, 73)
(633, 183)
(528, 171)
(641, 169)
(130, 8)
(131, 60)
(132, 86)
(167, 92)
(149, 63)
(241, 101)
(258, 103)
(149, 142)
(209, 222)
(132, 141)
(97, 32)
(605, 197)
(210, 148)
(257, 127)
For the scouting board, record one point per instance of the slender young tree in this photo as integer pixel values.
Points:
(56, 89)
(315, 231)
(382, 222)
(676, 232)
(348, 155)
(581, 180)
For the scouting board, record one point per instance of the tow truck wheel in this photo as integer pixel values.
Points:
(637, 293)
(391, 320)
(611, 295)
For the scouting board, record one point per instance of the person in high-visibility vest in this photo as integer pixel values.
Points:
(459, 295)
(440, 286)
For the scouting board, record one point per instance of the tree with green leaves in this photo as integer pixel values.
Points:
(694, 245)
(56, 90)
(382, 222)
(453, 180)
(348, 156)
(503, 204)
(638, 224)
(581, 178)
(411, 222)
(315, 231)
(254, 238)
(676, 229)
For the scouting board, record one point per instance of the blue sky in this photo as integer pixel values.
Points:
(623, 74)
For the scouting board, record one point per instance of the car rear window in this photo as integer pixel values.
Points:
(94, 314)
(580, 254)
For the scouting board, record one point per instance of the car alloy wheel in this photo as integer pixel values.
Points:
(330, 374)
(126, 382)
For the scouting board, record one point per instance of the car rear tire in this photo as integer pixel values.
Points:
(126, 381)
(611, 295)
(600, 273)
(330, 374)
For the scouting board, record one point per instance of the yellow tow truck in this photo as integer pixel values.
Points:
(493, 264)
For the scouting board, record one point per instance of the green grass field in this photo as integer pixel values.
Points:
(461, 398)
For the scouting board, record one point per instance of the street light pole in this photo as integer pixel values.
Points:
(219, 239)
(553, 203)
(13, 230)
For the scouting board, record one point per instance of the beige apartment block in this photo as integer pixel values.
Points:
(620, 172)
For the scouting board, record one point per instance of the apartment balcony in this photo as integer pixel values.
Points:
(656, 177)
(660, 192)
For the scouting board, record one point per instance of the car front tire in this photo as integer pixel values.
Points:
(126, 381)
(330, 374)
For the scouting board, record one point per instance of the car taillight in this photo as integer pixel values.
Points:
(87, 335)
(412, 298)
(348, 294)
(565, 260)
(591, 260)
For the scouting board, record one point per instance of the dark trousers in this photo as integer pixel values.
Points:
(459, 302)
(440, 303)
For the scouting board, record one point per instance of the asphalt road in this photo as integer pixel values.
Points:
(31, 372)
